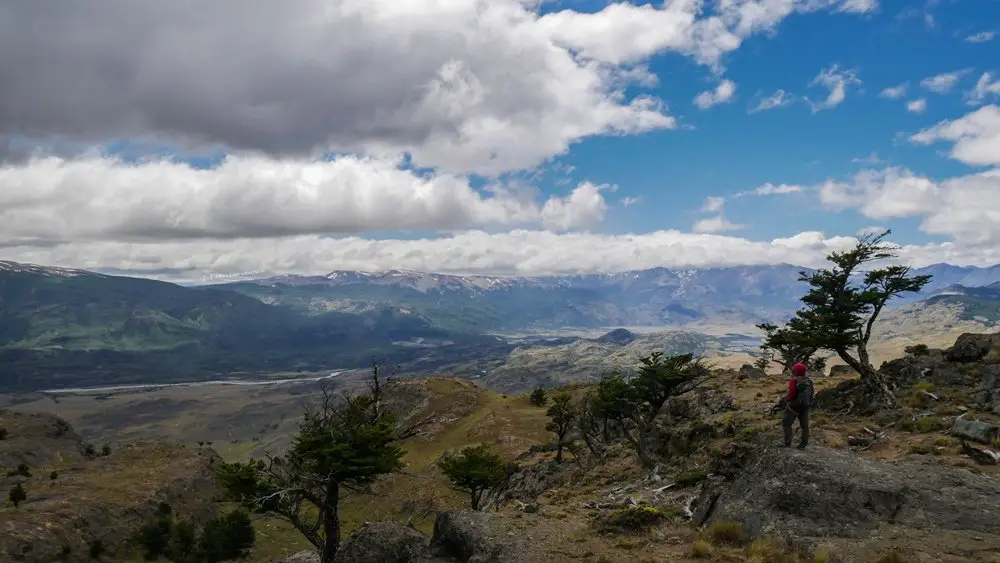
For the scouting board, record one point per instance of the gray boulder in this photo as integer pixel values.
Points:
(972, 347)
(988, 391)
(472, 537)
(976, 430)
(384, 542)
(308, 556)
(842, 370)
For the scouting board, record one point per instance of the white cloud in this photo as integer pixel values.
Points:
(981, 37)
(51, 200)
(837, 81)
(985, 87)
(722, 94)
(895, 92)
(916, 106)
(775, 100)
(944, 82)
(516, 252)
(965, 208)
(622, 33)
(716, 224)
(630, 201)
(976, 136)
(713, 204)
(873, 158)
(771, 189)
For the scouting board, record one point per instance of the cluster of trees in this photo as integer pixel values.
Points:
(839, 311)
(225, 538)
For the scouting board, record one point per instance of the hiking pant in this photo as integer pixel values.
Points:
(802, 414)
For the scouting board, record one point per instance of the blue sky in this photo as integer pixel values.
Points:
(503, 138)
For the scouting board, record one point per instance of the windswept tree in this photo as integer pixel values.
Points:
(343, 445)
(538, 397)
(843, 303)
(474, 471)
(561, 414)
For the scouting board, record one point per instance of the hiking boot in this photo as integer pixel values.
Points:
(783, 445)
(801, 446)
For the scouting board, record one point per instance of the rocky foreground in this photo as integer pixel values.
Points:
(899, 486)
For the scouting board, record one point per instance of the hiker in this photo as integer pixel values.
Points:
(797, 403)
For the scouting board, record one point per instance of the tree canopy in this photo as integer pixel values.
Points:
(475, 471)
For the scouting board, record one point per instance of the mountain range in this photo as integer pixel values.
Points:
(658, 297)
(63, 327)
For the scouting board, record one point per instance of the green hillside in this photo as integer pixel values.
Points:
(88, 329)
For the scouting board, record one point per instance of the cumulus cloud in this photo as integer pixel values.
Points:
(466, 87)
(771, 189)
(981, 37)
(944, 82)
(985, 87)
(976, 136)
(837, 81)
(895, 92)
(713, 204)
(873, 158)
(722, 94)
(916, 106)
(965, 208)
(775, 100)
(55, 200)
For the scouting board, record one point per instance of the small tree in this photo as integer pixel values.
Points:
(106, 450)
(22, 470)
(786, 348)
(538, 397)
(839, 310)
(660, 379)
(562, 413)
(342, 444)
(3, 433)
(475, 471)
(17, 495)
(611, 401)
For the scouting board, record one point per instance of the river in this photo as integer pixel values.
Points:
(89, 390)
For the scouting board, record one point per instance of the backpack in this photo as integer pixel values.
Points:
(803, 392)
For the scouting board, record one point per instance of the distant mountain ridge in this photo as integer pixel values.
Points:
(652, 297)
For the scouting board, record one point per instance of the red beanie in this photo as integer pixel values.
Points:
(798, 370)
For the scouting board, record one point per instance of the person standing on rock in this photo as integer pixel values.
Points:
(797, 404)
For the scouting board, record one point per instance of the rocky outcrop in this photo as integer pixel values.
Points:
(823, 495)
(749, 371)
(971, 347)
(36, 440)
(842, 370)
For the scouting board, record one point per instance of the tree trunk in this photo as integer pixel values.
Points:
(331, 523)
(476, 496)
(559, 447)
(876, 383)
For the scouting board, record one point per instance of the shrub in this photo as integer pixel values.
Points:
(22, 469)
(89, 451)
(917, 350)
(924, 449)
(106, 450)
(54, 475)
(769, 551)
(17, 495)
(538, 397)
(229, 537)
(96, 549)
(632, 519)
(731, 533)
(3, 433)
(154, 537)
(701, 550)
(927, 424)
